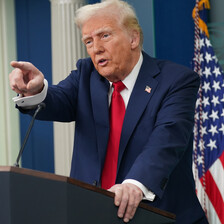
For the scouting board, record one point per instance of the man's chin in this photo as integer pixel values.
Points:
(111, 78)
(107, 76)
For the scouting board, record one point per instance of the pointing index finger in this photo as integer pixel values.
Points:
(25, 66)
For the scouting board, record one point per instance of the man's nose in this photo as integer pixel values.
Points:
(98, 47)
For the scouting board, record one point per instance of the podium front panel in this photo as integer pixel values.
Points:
(33, 197)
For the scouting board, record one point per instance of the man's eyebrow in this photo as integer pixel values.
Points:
(97, 32)
(102, 30)
(85, 37)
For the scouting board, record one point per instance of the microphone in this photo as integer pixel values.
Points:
(39, 108)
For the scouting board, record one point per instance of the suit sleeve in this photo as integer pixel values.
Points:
(61, 99)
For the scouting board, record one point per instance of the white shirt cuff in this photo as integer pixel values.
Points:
(34, 100)
(147, 194)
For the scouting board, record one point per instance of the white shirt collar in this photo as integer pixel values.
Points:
(130, 80)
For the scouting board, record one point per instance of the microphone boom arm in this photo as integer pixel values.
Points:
(39, 108)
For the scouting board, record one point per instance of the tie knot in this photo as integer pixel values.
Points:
(118, 86)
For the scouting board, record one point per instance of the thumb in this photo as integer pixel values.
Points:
(35, 85)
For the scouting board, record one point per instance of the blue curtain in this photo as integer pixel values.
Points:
(33, 28)
(174, 30)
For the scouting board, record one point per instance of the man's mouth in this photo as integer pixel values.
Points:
(102, 62)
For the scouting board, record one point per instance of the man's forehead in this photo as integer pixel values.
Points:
(99, 23)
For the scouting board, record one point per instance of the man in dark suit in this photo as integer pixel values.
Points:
(154, 154)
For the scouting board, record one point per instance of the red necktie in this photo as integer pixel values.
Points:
(117, 112)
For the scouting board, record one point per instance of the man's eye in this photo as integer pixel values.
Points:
(106, 35)
(88, 42)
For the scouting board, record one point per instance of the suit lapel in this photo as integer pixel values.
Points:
(99, 88)
(138, 101)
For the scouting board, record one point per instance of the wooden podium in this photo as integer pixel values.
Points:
(33, 197)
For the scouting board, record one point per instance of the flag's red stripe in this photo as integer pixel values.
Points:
(222, 159)
(214, 196)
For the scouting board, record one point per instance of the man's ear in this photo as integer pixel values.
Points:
(135, 39)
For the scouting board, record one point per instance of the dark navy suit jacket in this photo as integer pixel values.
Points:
(156, 139)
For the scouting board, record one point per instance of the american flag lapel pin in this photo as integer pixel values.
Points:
(148, 89)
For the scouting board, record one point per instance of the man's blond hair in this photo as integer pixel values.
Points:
(119, 10)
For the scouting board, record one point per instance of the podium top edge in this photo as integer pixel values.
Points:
(33, 173)
(55, 177)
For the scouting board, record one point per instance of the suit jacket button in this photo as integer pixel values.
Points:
(94, 183)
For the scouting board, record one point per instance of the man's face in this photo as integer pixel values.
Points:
(110, 47)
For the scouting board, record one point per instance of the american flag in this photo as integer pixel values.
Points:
(148, 89)
(209, 122)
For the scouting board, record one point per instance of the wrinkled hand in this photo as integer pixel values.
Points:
(26, 79)
(127, 197)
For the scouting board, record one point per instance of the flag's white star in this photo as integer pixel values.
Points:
(196, 116)
(205, 101)
(213, 130)
(215, 58)
(222, 100)
(200, 160)
(204, 116)
(212, 144)
(215, 100)
(201, 58)
(203, 131)
(200, 70)
(208, 57)
(206, 86)
(222, 129)
(222, 114)
(214, 115)
(207, 42)
(216, 71)
(216, 85)
(202, 44)
(207, 71)
(198, 102)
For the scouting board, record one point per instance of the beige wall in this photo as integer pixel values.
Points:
(9, 119)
